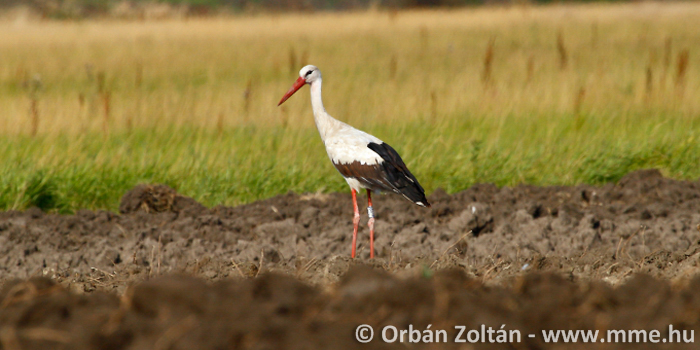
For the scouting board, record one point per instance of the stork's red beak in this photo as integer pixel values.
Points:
(297, 85)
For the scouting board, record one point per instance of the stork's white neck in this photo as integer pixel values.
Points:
(324, 122)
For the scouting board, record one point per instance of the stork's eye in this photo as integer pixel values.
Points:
(308, 73)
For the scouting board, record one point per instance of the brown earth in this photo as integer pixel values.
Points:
(276, 274)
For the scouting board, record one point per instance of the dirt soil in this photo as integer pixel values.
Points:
(169, 273)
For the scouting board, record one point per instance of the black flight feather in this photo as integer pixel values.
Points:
(398, 177)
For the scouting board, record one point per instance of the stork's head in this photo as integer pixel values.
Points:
(310, 73)
(307, 75)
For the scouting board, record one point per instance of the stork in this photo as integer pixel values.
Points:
(364, 160)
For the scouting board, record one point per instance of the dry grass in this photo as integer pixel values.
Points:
(190, 72)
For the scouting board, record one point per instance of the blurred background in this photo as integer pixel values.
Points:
(164, 8)
(97, 96)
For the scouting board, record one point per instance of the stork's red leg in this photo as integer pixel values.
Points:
(370, 223)
(355, 221)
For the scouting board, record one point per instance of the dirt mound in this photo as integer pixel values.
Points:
(279, 312)
(157, 199)
(645, 223)
(532, 258)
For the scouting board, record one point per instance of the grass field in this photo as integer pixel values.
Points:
(538, 95)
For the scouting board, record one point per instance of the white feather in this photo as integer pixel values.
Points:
(349, 145)
(354, 184)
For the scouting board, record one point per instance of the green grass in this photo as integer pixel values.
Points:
(413, 79)
(249, 163)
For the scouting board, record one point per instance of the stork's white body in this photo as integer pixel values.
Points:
(344, 144)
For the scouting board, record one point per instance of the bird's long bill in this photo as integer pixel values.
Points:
(297, 85)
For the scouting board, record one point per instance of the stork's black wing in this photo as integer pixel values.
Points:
(397, 174)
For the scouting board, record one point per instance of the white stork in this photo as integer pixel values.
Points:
(364, 160)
